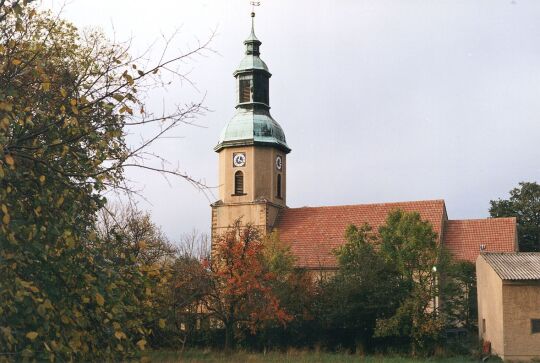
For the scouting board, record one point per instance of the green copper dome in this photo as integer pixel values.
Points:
(252, 127)
(250, 62)
(252, 124)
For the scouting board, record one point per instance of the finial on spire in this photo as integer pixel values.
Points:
(252, 43)
(253, 4)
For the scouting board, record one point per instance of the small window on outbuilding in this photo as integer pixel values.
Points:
(535, 326)
(238, 183)
(484, 326)
(279, 186)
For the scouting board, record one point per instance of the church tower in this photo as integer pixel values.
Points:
(252, 151)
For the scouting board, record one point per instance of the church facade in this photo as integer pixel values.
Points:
(253, 153)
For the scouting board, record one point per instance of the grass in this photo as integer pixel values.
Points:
(293, 356)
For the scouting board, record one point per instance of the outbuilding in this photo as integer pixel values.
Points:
(509, 303)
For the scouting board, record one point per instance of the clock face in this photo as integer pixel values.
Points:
(239, 159)
(279, 162)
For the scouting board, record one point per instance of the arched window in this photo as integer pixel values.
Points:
(279, 186)
(238, 183)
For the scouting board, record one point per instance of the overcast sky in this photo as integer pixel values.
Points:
(380, 101)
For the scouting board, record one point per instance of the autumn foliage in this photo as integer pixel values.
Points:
(240, 292)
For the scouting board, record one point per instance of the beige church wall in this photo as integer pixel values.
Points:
(227, 170)
(521, 303)
(490, 308)
(250, 213)
(266, 175)
(260, 175)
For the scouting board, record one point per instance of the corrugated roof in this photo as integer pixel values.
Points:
(463, 238)
(515, 266)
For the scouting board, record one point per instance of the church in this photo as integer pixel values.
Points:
(253, 153)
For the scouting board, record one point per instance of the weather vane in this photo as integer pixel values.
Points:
(253, 4)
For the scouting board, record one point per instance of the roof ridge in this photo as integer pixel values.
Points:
(481, 219)
(373, 204)
(516, 253)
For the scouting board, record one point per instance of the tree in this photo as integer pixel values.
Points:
(186, 289)
(127, 225)
(11, 7)
(364, 289)
(295, 290)
(240, 291)
(460, 304)
(410, 245)
(524, 204)
(65, 100)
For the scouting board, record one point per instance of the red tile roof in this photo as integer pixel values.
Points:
(464, 237)
(314, 232)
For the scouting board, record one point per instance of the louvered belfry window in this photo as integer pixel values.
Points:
(238, 183)
(245, 90)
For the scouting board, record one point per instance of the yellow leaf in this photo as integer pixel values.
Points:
(142, 244)
(6, 219)
(9, 160)
(120, 335)
(46, 86)
(42, 179)
(16, 62)
(63, 92)
(6, 107)
(162, 323)
(141, 343)
(4, 208)
(32, 335)
(100, 299)
(128, 78)
(4, 123)
(60, 201)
